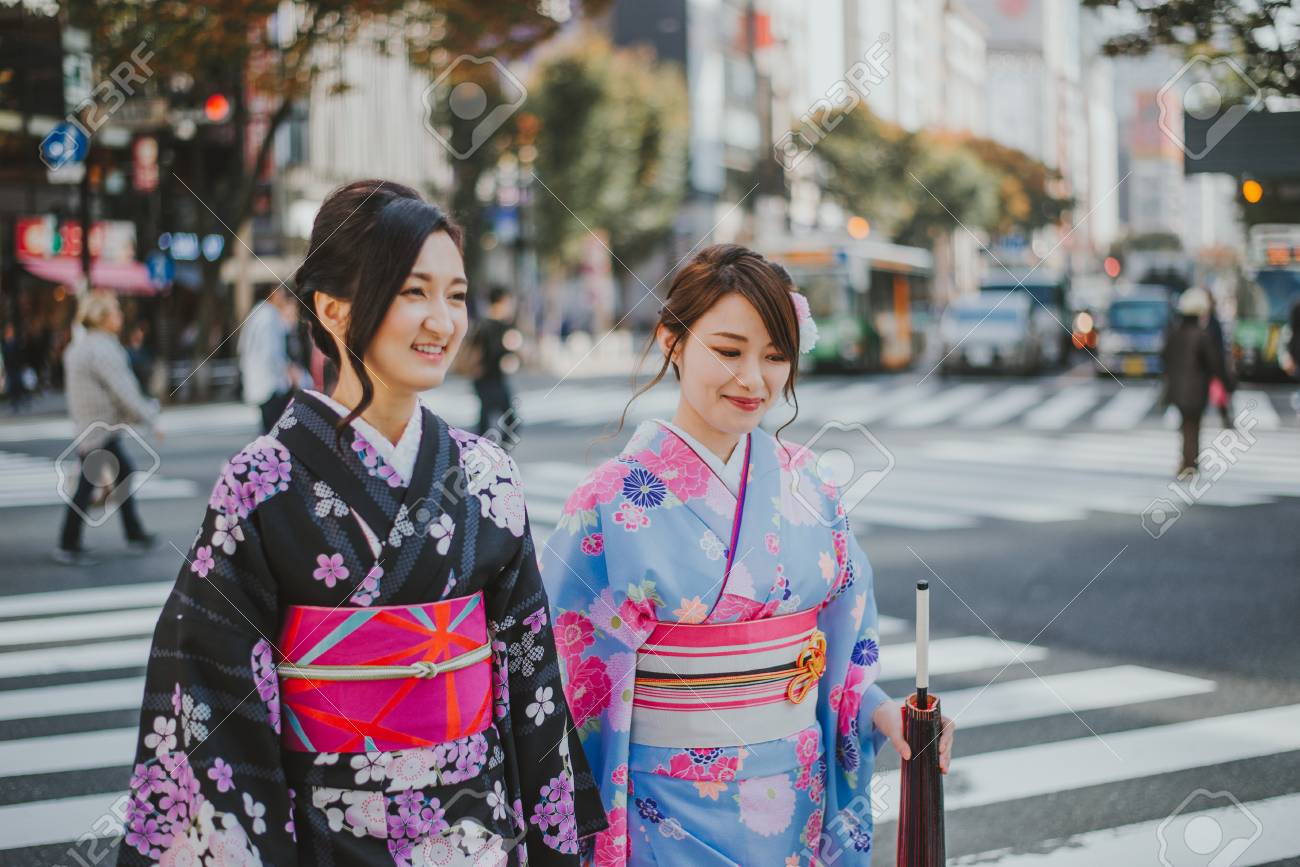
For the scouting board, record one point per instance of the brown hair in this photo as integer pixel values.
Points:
(380, 228)
(714, 273)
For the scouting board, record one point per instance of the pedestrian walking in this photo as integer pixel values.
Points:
(266, 371)
(103, 397)
(493, 360)
(1191, 361)
(357, 666)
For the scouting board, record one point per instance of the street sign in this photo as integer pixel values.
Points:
(162, 269)
(65, 144)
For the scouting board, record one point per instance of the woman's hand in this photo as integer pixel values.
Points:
(888, 719)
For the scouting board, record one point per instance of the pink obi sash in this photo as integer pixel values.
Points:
(385, 678)
(727, 684)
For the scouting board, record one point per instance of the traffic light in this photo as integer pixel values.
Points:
(216, 108)
(1252, 190)
(1111, 266)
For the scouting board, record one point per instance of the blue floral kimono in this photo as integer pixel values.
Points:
(644, 540)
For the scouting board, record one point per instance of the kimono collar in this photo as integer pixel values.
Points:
(400, 457)
(728, 472)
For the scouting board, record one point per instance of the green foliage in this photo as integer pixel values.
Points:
(611, 150)
(1261, 35)
(916, 185)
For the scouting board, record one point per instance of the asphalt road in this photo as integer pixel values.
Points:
(1125, 674)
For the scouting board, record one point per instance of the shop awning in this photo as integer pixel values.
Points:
(127, 278)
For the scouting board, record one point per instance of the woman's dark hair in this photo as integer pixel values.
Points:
(364, 243)
(714, 273)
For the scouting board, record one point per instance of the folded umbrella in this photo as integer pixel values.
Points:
(920, 819)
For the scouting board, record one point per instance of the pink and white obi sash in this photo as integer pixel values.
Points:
(389, 677)
(727, 684)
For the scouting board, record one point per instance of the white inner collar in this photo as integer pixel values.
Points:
(400, 456)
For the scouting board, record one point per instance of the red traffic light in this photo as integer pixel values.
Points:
(1111, 267)
(216, 108)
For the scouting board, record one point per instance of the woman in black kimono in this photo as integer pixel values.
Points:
(356, 665)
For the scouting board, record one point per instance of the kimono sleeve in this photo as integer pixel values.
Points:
(848, 697)
(599, 665)
(208, 782)
(559, 801)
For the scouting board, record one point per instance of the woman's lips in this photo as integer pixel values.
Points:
(429, 354)
(748, 404)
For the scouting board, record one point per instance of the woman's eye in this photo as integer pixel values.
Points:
(777, 359)
(728, 353)
(459, 296)
(413, 290)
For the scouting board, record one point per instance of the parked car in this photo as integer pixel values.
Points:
(990, 331)
(1133, 333)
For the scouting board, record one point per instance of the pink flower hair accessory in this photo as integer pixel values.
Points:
(807, 327)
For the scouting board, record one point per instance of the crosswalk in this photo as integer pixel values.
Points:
(939, 483)
(67, 735)
(887, 402)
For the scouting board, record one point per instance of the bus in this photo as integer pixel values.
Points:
(1265, 299)
(871, 299)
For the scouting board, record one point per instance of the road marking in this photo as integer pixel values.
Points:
(109, 748)
(956, 655)
(1127, 408)
(107, 624)
(133, 653)
(930, 411)
(1003, 407)
(1138, 845)
(90, 599)
(95, 697)
(1036, 697)
(1258, 404)
(1042, 769)
(41, 823)
(1063, 407)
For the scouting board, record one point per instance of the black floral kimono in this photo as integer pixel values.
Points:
(298, 520)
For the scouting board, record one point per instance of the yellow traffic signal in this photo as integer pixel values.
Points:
(1252, 191)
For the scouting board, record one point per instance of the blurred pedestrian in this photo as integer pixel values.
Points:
(493, 353)
(1191, 361)
(1288, 355)
(15, 364)
(140, 355)
(1221, 390)
(266, 370)
(103, 397)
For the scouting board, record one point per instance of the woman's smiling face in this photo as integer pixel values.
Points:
(426, 321)
(730, 370)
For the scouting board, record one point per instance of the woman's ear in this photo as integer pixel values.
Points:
(333, 313)
(664, 338)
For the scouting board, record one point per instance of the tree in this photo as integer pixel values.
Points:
(1025, 198)
(611, 150)
(278, 51)
(914, 186)
(1263, 35)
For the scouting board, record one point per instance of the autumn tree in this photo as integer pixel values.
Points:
(279, 51)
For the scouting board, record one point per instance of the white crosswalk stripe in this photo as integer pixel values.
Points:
(34, 481)
(1022, 772)
(891, 401)
(999, 779)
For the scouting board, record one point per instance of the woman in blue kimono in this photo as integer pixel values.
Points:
(357, 664)
(714, 614)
